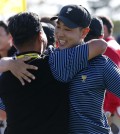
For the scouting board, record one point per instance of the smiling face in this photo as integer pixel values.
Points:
(4, 39)
(67, 37)
(5, 42)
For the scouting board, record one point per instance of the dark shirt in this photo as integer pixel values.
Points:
(39, 107)
(12, 51)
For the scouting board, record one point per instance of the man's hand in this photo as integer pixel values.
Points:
(18, 68)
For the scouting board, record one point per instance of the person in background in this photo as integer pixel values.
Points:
(53, 23)
(49, 31)
(6, 49)
(112, 43)
(6, 46)
(112, 102)
(96, 29)
(47, 20)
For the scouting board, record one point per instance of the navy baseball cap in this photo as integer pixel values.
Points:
(74, 16)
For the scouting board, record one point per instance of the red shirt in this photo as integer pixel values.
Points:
(113, 50)
(111, 101)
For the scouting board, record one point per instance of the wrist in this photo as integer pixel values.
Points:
(6, 63)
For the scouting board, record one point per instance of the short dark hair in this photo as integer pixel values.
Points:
(2, 24)
(108, 22)
(24, 27)
(96, 29)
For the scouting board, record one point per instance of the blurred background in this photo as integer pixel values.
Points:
(50, 8)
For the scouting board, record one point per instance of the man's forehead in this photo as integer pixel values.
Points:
(2, 30)
(59, 22)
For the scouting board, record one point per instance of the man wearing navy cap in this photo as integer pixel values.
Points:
(87, 87)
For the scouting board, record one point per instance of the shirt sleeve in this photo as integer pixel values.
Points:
(112, 77)
(66, 63)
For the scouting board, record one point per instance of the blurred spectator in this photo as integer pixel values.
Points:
(5, 39)
(96, 29)
(111, 102)
(6, 50)
(47, 20)
(108, 27)
(113, 50)
(5, 47)
(49, 31)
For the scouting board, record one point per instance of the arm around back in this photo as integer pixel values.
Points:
(96, 47)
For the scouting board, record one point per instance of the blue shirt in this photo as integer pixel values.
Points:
(2, 106)
(67, 62)
(87, 90)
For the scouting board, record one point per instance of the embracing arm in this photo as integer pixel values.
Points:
(18, 68)
(96, 47)
(66, 63)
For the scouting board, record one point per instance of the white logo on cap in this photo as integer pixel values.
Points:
(68, 10)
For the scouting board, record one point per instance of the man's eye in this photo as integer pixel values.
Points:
(57, 26)
(67, 29)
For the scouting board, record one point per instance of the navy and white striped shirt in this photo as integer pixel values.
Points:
(2, 106)
(67, 62)
(87, 89)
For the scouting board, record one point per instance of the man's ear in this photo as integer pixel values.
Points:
(43, 40)
(85, 31)
(42, 37)
(10, 39)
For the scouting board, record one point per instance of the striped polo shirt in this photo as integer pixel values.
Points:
(2, 106)
(67, 62)
(87, 89)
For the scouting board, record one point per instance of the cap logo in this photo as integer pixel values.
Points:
(68, 10)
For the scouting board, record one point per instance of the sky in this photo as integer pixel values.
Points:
(52, 7)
